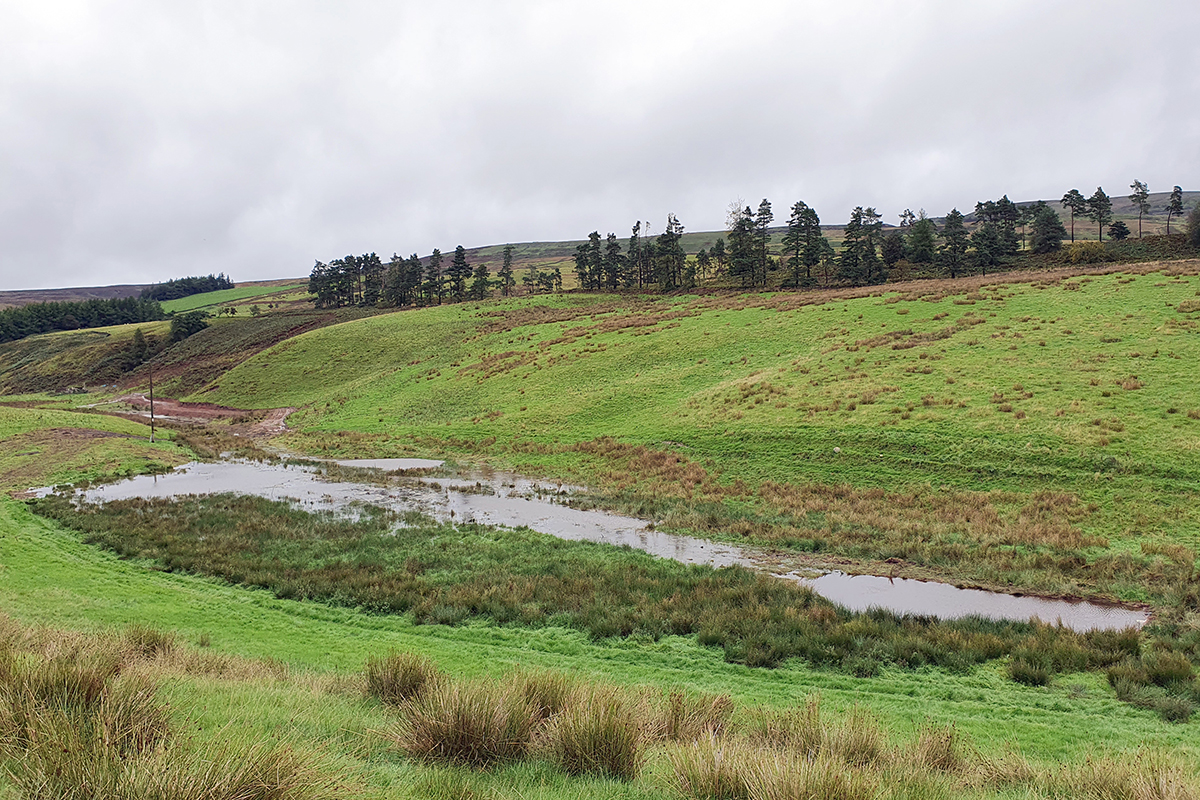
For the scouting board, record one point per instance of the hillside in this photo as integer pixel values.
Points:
(1034, 433)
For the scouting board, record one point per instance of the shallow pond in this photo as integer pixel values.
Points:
(498, 498)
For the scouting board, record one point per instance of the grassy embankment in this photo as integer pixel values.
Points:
(1036, 436)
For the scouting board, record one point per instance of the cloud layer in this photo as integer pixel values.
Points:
(145, 140)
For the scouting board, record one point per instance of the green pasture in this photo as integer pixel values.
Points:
(1082, 386)
(51, 578)
(237, 296)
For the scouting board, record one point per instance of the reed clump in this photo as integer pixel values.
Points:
(398, 677)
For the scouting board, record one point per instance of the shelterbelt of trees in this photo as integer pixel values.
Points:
(17, 323)
(186, 287)
(753, 254)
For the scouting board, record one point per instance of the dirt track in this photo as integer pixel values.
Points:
(271, 422)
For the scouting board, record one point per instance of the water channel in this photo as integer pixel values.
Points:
(505, 499)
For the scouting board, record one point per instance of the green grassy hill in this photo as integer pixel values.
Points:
(1036, 433)
(939, 392)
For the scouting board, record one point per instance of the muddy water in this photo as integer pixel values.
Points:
(497, 498)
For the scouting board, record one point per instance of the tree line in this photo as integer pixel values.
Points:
(365, 280)
(35, 318)
(990, 235)
(186, 287)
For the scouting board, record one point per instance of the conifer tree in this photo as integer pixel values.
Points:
(479, 283)
(922, 239)
(1100, 209)
(1077, 204)
(954, 242)
(1047, 231)
(434, 287)
(507, 281)
(1174, 206)
(458, 273)
(1140, 197)
(613, 266)
(762, 240)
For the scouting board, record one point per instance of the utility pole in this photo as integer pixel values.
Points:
(152, 405)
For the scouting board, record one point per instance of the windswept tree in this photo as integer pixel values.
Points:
(372, 275)
(1099, 209)
(1046, 229)
(1077, 204)
(1001, 216)
(1174, 206)
(507, 281)
(1140, 197)
(954, 243)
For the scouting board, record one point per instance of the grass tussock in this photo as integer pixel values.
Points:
(398, 677)
(601, 733)
(477, 724)
(80, 718)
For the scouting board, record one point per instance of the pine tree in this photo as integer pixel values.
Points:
(802, 241)
(892, 249)
(762, 240)
(1100, 209)
(613, 266)
(1140, 197)
(458, 273)
(1119, 231)
(507, 282)
(1077, 204)
(859, 262)
(1047, 231)
(741, 246)
(479, 283)
(954, 242)
(670, 258)
(922, 239)
(434, 287)
(1174, 206)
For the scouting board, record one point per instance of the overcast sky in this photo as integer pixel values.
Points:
(141, 141)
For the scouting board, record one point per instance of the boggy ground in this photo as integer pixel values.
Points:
(1037, 437)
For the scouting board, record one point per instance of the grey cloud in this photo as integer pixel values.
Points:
(142, 141)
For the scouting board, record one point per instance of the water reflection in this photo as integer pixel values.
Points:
(505, 499)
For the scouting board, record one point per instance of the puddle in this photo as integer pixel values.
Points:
(389, 464)
(908, 596)
(505, 499)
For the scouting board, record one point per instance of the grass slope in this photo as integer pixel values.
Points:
(971, 398)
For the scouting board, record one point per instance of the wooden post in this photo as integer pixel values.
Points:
(152, 405)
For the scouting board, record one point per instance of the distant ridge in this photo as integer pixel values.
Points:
(24, 297)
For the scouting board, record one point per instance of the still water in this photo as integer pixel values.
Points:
(505, 499)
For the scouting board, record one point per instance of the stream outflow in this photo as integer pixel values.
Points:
(508, 500)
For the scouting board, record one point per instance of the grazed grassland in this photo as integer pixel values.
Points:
(1037, 436)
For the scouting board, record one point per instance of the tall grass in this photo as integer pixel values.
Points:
(74, 725)
(449, 574)
(477, 724)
